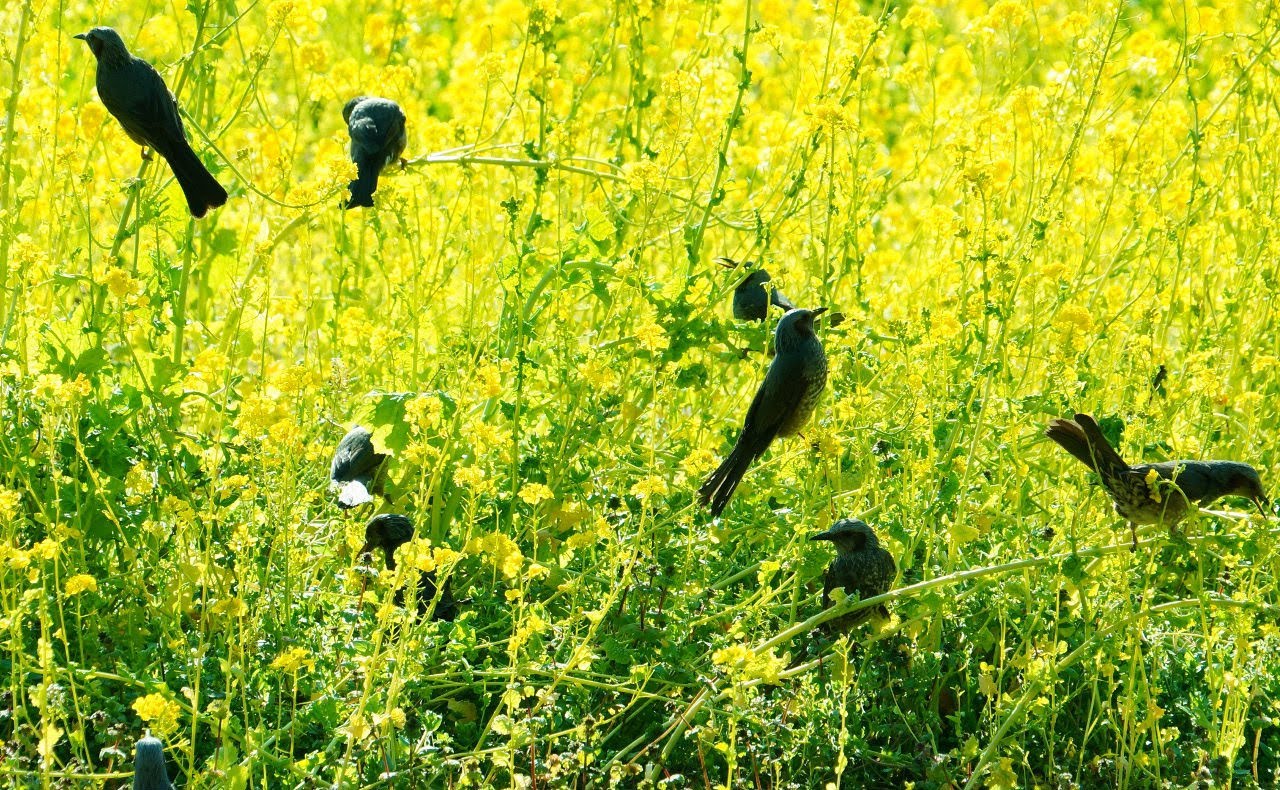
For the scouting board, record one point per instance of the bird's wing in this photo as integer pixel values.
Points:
(147, 110)
(365, 132)
(777, 399)
(355, 458)
(1193, 478)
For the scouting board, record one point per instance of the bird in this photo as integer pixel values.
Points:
(1161, 493)
(389, 531)
(135, 93)
(861, 567)
(377, 129)
(751, 299)
(783, 403)
(149, 772)
(354, 468)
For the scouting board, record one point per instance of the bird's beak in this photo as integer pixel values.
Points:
(365, 549)
(1264, 506)
(821, 536)
(81, 36)
(818, 310)
(728, 263)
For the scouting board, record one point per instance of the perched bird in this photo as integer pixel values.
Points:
(1160, 493)
(149, 772)
(861, 567)
(389, 531)
(136, 95)
(355, 466)
(751, 299)
(378, 138)
(782, 405)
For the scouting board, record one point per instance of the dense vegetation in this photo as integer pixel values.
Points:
(1022, 209)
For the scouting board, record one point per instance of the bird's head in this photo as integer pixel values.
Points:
(795, 326)
(754, 276)
(850, 534)
(387, 531)
(103, 40)
(1241, 480)
(351, 105)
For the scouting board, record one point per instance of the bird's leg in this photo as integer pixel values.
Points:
(404, 163)
(146, 154)
(1133, 530)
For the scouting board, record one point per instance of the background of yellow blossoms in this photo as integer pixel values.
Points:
(1023, 209)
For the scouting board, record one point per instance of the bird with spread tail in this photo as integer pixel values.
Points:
(377, 129)
(388, 532)
(1161, 493)
(354, 471)
(135, 93)
(861, 568)
(782, 405)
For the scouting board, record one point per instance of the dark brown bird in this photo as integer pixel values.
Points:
(861, 567)
(751, 299)
(1161, 493)
(355, 468)
(781, 407)
(377, 129)
(136, 95)
(389, 531)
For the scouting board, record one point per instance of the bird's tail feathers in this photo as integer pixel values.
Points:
(1084, 440)
(719, 487)
(366, 183)
(201, 189)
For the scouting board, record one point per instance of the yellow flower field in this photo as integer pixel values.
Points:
(1022, 210)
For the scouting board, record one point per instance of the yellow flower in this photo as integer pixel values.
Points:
(79, 583)
(292, 660)
(314, 57)
(652, 337)
(158, 711)
(139, 482)
(499, 551)
(356, 729)
(642, 176)
(649, 487)
(489, 380)
(120, 283)
(10, 504)
(832, 116)
(46, 549)
(535, 493)
(920, 18)
(233, 607)
(1074, 318)
(1007, 12)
